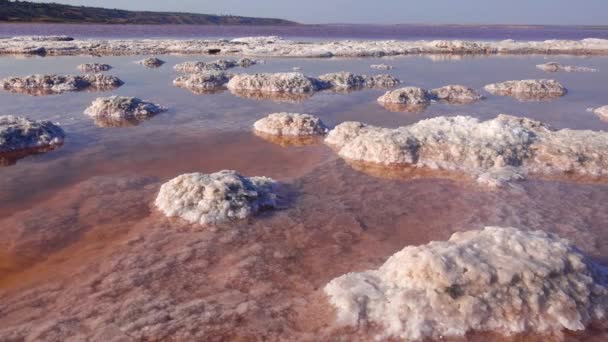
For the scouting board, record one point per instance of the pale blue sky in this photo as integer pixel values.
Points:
(564, 12)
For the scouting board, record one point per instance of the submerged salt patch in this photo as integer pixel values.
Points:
(123, 107)
(465, 144)
(554, 67)
(497, 279)
(528, 88)
(216, 197)
(19, 133)
(290, 124)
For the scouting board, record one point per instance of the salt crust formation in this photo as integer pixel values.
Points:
(554, 67)
(528, 89)
(381, 66)
(94, 67)
(58, 83)
(498, 150)
(289, 82)
(18, 133)
(215, 198)
(290, 124)
(151, 62)
(456, 94)
(277, 47)
(348, 81)
(602, 112)
(203, 81)
(123, 107)
(218, 65)
(497, 279)
(406, 96)
(414, 96)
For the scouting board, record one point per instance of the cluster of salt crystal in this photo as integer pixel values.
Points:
(151, 62)
(381, 66)
(601, 112)
(554, 67)
(218, 65)
(215, 198)
(497, 279)
(290, 124)
(415, 97)
(94, 67)
(499, 147)
(58, 83)
(348, 81)
(528, 89)
(289, 82)
(203, 81)
(123, 107)
(19, 133)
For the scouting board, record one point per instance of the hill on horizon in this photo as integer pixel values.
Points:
(23, 11)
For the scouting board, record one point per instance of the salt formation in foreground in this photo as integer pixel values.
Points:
(555, 67)
(203, 81)
(528, 89)
(94, 67)
(493, 148)
(290, 124)
(497, 279)
(602, 112)
(43, 84)
(456, 94)
(123, 107)
(151, 62)
(217, 197)
(18, 133)
(289, 82)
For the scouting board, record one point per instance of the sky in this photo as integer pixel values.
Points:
(544, 12)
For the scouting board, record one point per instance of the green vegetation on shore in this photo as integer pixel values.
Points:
(23, 11)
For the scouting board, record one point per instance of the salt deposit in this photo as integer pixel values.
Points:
(203, 81)
(406, 96)
(217, 197)
(291, 124)
(465, 144)
(349, 81)
(123, 107)
(18, 134)
(94, 67)
(602, 112)
(58, 84)
(151, 62)
(528, 89)
(554, 67)
(381, 66)
(289, 82)
(456, 94)
(497, 279)
(218, 65)
(277, 47)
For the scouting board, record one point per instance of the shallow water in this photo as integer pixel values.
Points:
(81, 236)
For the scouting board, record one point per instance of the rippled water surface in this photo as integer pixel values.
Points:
(83, 248)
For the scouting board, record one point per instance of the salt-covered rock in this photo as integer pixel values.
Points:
(406, 96)
(601, 112)
(18, 133)
(555, 67)
(528, 89)
(381, 81)
(48, 84)
(151, 62)
(94, 67)
(381, 66)
(343, 80)
(497, 279)
(291, 124)
(123, 107)
(465, 144)
(456, 94)
(203, 81)
(289, 82)
(218, 65)
(217, 197)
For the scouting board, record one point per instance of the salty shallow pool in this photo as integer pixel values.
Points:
(84, 252)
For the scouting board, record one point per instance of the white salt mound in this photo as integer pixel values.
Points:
(554, 67)
(218, 65)
(94, 67)
(217, 197)
(18, 133)
(456, 93)
(530, 87)
(291, 124)
(123, 107)
(497, 279)
(381, 66)
(602, 112)
(347, 81)
(58, 83)
(289, 82)
(406, 96)
(208, 80)
(151, 62)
